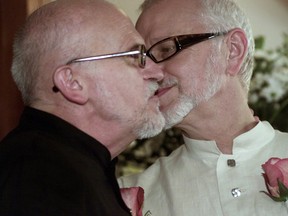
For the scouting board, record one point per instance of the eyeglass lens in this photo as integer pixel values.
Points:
(168, 47)
(163, 50)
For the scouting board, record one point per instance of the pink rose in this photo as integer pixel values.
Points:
(133, 198)
(276, 178)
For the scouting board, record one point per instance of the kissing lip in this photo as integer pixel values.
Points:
(162, 91)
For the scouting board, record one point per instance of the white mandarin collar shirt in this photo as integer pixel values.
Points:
(252, 140)
(197, 179)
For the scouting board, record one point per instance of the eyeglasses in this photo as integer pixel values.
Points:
(168, 47)
(140, 54)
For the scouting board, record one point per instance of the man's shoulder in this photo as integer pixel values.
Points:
(281, 141)
(26, 142)
(32, 150)
(279, 136)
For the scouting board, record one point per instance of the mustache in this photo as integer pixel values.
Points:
(168, 82)
(152, 89)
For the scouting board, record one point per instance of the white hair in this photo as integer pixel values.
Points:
(222, 16)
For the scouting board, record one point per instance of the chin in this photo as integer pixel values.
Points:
(151, 128)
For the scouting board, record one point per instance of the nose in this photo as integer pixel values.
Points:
(152, 71)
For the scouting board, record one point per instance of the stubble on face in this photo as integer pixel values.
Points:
(189, 97)
(142, 116)
(151, 121)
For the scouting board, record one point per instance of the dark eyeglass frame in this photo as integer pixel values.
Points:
(182, 42)
(141, 53)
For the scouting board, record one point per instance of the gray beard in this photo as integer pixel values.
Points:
(176, 114)
(151, 126)
(187, 103)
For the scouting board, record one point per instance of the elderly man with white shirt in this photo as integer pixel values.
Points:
(206, 50)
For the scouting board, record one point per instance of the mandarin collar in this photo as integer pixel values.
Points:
(249, 141)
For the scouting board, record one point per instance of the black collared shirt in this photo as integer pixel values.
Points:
(49, 167)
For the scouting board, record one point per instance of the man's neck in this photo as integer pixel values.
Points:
(218, 121)
(94, 125)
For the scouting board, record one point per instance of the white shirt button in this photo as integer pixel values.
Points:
(236, 192)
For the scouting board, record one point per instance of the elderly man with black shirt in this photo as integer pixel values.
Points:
(89, 91)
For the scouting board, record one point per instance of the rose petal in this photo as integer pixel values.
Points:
(133, 198)
(274, 191)
(273, 173)
(282, 165)
(273, 160)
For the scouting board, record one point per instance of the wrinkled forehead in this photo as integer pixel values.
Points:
(170, 17)
(109, 29)
(118, 26)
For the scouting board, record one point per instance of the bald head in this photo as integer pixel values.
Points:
(54, 34)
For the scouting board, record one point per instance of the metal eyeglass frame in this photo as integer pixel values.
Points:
(141, 54)
(181, 42)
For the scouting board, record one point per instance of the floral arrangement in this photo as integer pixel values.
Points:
(269, 84)
(268, 98)
(276, 178)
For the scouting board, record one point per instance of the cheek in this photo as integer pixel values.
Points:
(131, 91)
(192, 69)
(190, 76)
(126, 82)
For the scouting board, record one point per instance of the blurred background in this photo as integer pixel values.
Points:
(269, 87)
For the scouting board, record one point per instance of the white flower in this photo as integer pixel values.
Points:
(270, 80)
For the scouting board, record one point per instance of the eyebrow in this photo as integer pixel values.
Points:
(135, 46)
(154, 40)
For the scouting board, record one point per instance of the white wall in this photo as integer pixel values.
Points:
(267, 17)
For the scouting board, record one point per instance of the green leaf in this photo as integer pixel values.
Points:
(283, 191)
(276, 199)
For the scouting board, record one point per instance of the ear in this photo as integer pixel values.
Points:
(237, 45)
(69, 86)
